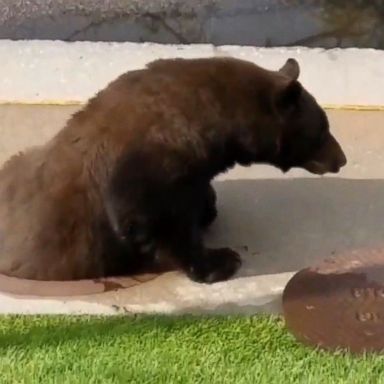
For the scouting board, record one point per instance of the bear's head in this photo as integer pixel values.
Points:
(304, 139)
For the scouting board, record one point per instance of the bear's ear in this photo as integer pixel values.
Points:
(288, 95)
(291, 69)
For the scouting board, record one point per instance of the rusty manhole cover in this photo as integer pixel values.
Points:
(15, 286)
(340, 303)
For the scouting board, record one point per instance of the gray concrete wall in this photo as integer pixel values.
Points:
(322, 23)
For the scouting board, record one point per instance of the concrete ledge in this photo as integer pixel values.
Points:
(170, 293)
(69, 73)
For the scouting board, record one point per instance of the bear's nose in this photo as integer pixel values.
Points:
(342, 160)
(335, 168)
(339, 163)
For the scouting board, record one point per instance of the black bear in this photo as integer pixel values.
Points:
(125, 185)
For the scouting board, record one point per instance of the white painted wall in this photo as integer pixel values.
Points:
(59, 72)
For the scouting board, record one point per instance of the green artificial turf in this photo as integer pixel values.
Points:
(168, 350)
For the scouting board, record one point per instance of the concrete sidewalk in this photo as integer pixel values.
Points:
(279, 223)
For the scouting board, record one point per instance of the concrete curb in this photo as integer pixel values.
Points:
(56, 72)
(245, 295)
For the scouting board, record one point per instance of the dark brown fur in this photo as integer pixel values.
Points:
(127, 180)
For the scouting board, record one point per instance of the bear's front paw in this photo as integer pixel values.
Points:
(216, 265)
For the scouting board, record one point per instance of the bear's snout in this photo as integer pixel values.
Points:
(330, 158)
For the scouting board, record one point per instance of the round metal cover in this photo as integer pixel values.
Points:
(340, 303)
